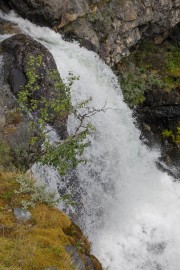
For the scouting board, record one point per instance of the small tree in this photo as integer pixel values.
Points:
(62, 155)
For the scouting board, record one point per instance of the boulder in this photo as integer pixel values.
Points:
(14, 127)
(22, 215)
(17, 52)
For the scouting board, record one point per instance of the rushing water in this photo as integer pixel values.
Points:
(131, 210)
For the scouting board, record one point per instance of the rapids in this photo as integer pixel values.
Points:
(131, 210)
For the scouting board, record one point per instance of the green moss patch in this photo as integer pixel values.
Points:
(40, 242)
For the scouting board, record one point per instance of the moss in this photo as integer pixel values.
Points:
(172, 135)
(40, 242)
(5, 156)
(14, 117)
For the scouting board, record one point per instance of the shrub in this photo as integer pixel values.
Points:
(173, 136)
(62, 155)
(38, 194)
(135, 82)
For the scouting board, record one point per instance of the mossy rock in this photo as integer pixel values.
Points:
(38, 243)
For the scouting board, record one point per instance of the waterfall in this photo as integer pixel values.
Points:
(131, 210)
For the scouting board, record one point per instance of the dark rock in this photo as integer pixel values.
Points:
(81, 256)
(4, 6)
(14, 127)
(158, 97)
(97, 264)
(161, 111)
(22, 215)
(175, 35)
(17, 79)
(17, 52)
(76, 259)
(88, 263)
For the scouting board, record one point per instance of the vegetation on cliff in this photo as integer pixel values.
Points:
(150, 81)
(48, 238)
(148, 67)
(43, 240)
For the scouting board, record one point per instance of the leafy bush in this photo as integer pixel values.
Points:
(147, 67)
(62, 155)
(38, 194)
(173, 136)
(135, 82)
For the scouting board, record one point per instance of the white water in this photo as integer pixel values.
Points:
(131, 209)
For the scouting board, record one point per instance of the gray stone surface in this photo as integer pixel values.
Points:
(22, 215)
(109, 28)
(48, 12)
(76, 259)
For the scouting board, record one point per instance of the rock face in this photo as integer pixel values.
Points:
(15, 53)
(159, 112)
(18, 50)
(150, 81)
(49, 12)
(119, 25)
(13, 124)
(175, 35)
(108, 27)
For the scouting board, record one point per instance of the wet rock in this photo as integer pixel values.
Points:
(3, 6)
(15, 131)
(17, 52)
(76, 259)
(22, 215)
(161, 111)
(14, 128)
(88, 263)
(81, 29)
(80, 250)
